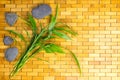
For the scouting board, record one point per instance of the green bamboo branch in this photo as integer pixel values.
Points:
(40, 41)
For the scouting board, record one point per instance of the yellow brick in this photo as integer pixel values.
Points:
(94, 78)
(83, 47)
(26, 77)
(75, 74)
(71, 9)
(10, 5)
(94, 62)
(105, 70)
(94, 39)
(93, 17)
(71, 78)
(21, 6)
(115, 17)
(104, 17)
(106, 78)
(88, 21)
(105, 1)
(85, 14)
(99, 59)
(94, 9)
(110, 5)
(110, 20)
(94, 70)
(111, 74)
(104, 9)
(66, 74)
(115, 1)
(76, 20)
(32, 74)
(115, 9)
(93, 55)
(60, 78)
(15, 9)
(115, 32)
(71, 1)
(111, 44)
(5, 2)
(110, 13)
(100, 66)
(104, 32)
(99, 13)
(105, 24)
(82, 9)
(65, 13)
(94, 47)
(99, 43)
(24, 2)
(38, 78)
(76, 5)
(100, 74)
(115, 24)
(115, 47)
(93, 24)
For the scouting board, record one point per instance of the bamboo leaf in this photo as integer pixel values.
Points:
(48, 50)
(28, 35)
(41, 59)
(52, 48)
(63, 24)
(53, 20)
(52, 23)
(41, 26)
(76, 60)
(17, 34)
(33, 23)
(61, 35)
(65, 30)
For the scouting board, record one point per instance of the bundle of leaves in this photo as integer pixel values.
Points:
(40, 40)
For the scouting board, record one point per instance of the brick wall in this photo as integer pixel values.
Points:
(97, 45)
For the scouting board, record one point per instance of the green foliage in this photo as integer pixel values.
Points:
(40, 41)
(17, 34)
(52, 48)
(75, 58)
(53, 20)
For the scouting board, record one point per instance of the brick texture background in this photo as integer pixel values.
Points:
(97, 45)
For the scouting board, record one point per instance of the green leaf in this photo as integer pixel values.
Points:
(33, 23)
(63, 24)
(52, 48)
(76, 60)
(41, 26)
(61, 35)
(53, 20)
(65, 29)
(48, 50)
(41, 59)
(52, 23)
(51, 37)
(17, 34)
(28, 35)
